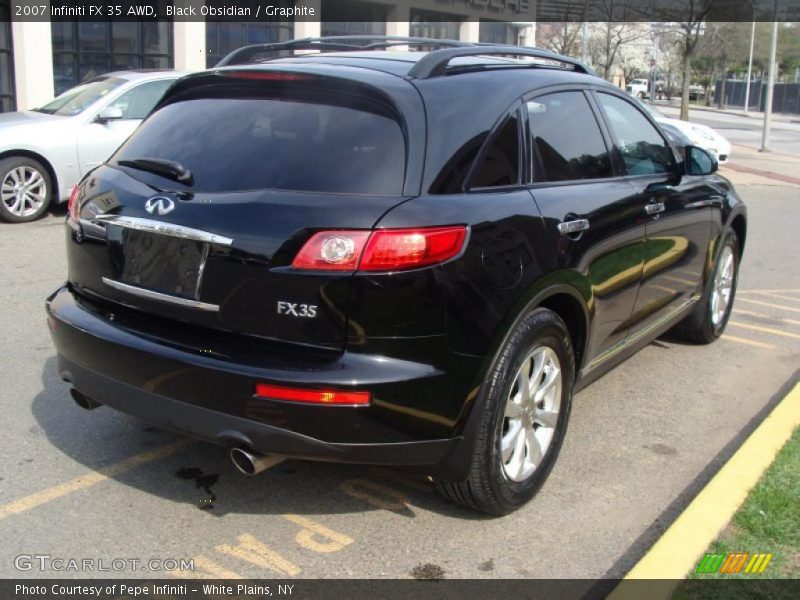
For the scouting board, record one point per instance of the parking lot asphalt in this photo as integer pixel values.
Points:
(102, 485)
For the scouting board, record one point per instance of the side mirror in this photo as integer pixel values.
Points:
(109, 113)
(699, 161)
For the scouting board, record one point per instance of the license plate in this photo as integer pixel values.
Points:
(163, 263)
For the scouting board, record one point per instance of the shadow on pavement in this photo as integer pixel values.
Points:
(201, 474)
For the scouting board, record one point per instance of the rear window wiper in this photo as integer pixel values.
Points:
(166, 168)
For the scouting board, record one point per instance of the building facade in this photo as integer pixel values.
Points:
(39, 60)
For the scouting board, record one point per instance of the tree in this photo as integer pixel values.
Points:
(607, 40)
(718, 47)
(561, 38)
(632, 61)
(688, 30)
(611, 31)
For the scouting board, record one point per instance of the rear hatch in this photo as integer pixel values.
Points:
(247, 168)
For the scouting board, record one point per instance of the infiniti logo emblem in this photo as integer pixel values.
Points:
(159, 205)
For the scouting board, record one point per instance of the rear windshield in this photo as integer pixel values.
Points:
(240, 144)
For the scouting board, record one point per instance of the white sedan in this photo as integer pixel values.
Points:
(700, 135)
(45, 151)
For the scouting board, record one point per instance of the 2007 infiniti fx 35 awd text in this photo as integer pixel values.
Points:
(372, 256)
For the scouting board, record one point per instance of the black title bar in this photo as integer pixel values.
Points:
(426, 10)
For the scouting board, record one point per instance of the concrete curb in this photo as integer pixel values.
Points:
(677, 551)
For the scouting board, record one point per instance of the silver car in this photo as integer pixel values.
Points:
(45, 151)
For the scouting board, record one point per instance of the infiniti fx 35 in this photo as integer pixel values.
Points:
(387, 257)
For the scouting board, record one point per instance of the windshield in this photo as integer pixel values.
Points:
(241, 144)
(652, 110)
(74, 101)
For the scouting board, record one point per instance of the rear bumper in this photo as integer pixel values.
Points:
(414, 417)
(229, 430)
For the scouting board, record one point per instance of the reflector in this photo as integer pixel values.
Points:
(275, 392)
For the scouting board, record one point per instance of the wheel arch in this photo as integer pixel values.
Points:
(564, 293)
(51, 172)
(739, 226)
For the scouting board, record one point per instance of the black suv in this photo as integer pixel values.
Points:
(375, 255)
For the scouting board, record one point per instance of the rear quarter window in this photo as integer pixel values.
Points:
(239, 144)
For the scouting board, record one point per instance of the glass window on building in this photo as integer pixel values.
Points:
(430, 24)
(224, 38)
(351, 17)
(497, 32)
(7, 99)
(85, 50)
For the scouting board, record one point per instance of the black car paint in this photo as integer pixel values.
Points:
(419, 341)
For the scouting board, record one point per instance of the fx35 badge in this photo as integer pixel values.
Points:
(292, 309)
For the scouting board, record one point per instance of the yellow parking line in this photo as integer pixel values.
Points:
(376, 494)
(90, 479)
(205, 568)
(254, 551)
(754, 314)
(758, 315)
(676, 553)
(746, 342)
(778, 296)
(403, 479)
(335, 541)
(769, 330)
(769, 304)
(790, 290)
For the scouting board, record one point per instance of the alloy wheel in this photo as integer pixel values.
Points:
(723, 286)
(531, 414)
(23, 191)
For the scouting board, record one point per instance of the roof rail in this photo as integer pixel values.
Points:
(334, 43)
(435, 63)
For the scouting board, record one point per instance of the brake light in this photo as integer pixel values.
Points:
(267, 75)
(275, 392)
(381, 250)
(393, 249)
(73, 206)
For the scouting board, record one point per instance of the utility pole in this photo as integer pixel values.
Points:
(749, 69)
(770, 82)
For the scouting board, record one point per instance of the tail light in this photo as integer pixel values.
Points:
(276, 392)
(73, 206)
(381, 250)
(394, 249)
(332, 251)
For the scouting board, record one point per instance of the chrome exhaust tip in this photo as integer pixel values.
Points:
(84, 402)
(250, 462)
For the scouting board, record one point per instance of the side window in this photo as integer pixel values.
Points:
(643, 150)
(567, 138)
(500, 163)
(138, 102)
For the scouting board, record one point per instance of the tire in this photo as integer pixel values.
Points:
(708, 320)
(641, 96)
(501, 481)
(25, 189)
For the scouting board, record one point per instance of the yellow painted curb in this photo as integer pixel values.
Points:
(678, 550)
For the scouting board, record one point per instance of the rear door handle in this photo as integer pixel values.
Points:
(570, 227)
(654, 208)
